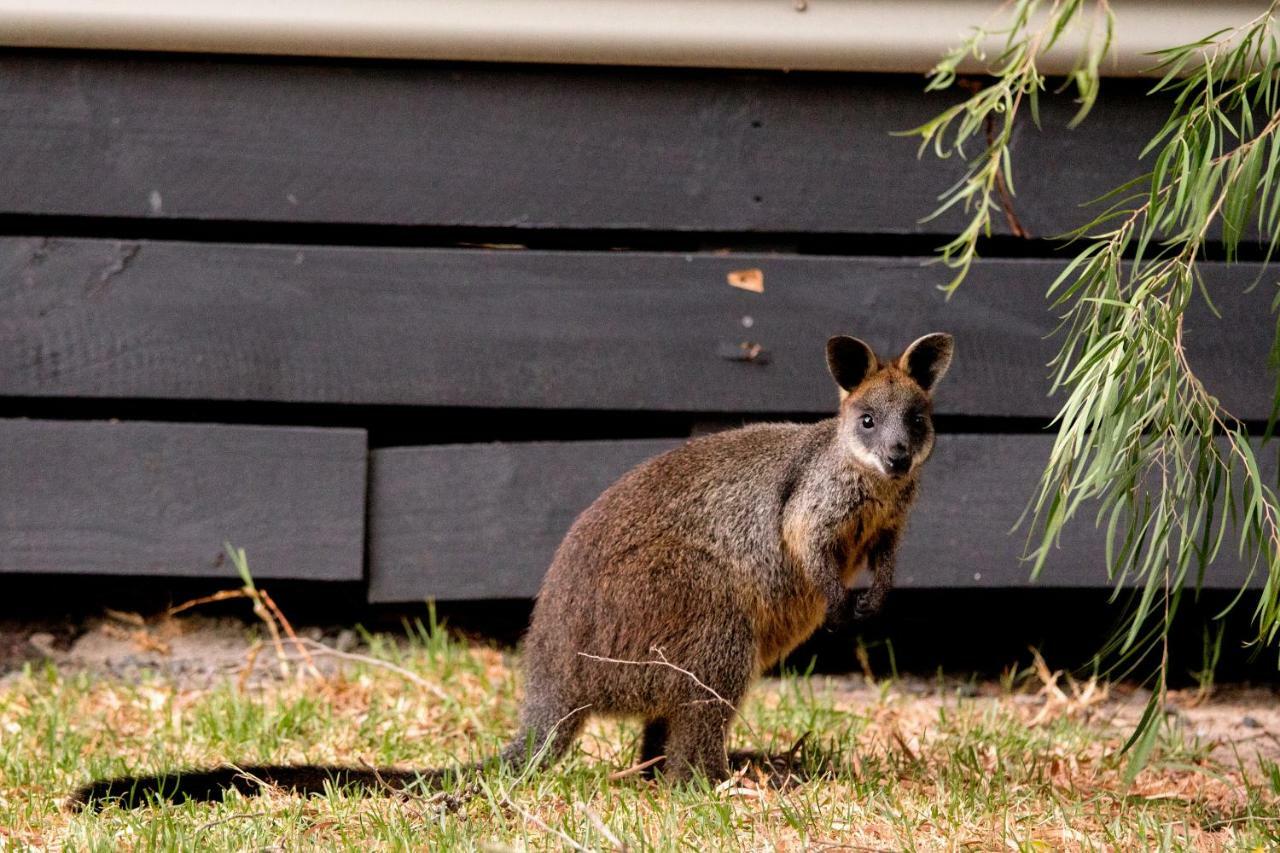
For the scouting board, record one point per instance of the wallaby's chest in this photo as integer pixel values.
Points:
(855, 534)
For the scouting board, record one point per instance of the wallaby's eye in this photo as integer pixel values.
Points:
(917, 419)
(868, 422)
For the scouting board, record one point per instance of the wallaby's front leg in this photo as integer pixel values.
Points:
(881, 561)
(845, 605)
(825, 562)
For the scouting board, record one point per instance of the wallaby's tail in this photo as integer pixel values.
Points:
(209, 785)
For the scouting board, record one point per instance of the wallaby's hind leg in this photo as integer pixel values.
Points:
(696, 743)
(653, 744)
(545, 735)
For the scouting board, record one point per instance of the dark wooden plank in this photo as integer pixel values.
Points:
(482, 521)
(161, 499)
(530, 147)
(974, 492)
(550, 330)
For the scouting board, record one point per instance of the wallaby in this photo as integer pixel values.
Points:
(687, 578)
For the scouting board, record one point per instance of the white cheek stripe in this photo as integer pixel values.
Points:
(866, 457)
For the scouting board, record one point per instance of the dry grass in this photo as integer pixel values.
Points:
(1030, 764)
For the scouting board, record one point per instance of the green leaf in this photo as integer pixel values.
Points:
(241, 563)
(1143, 740)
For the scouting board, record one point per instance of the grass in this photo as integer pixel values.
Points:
(886, 765)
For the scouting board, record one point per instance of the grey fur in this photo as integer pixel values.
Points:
(720, 557)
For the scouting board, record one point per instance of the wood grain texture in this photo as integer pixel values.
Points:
(543, 330)
(276, 140)
(483, 521)
(161, 499)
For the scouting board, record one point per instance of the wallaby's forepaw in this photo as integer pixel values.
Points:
(841, 611)
(868, 604)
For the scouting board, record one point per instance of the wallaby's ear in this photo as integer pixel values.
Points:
(850, 361)
(927, 359)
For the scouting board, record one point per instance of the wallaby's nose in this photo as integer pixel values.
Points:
(899, 463)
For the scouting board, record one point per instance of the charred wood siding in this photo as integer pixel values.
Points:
(161, 499)
(263, 267)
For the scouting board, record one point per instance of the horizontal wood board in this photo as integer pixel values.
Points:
(545, 330)
(483, 521)
(407, 144)
(161, 499)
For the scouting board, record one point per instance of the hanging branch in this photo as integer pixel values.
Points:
(1141, 441)
(988, 115)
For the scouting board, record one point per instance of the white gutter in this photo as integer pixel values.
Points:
(833, 35)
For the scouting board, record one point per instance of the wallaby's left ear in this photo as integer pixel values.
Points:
(850, 361)
(927, 359)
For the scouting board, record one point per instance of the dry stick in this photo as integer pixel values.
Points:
(267, 610)
(259, 610)
(322, 649)
(288, 629)
(1002, 187)
(245, 816)
(662, 661)
(261, 783)
(251, 660)
(538, 822)
(400, 795)
(600, 826)
(634, 769)
(206, 599)
(273, 629)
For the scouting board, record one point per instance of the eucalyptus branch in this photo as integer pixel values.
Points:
(1141, 441)
(1140, 436)
(990, 112)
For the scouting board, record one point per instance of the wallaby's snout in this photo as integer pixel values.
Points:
(899, 460)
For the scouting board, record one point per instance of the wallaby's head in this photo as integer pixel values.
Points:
(886, 408)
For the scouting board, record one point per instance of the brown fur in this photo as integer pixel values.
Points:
(702, 567)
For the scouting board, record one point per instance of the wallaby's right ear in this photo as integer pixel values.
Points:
(850, 361)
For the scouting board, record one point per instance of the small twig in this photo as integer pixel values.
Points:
(902, 742)
(541, 824)
(261, 783)
(600, 826)
(322, 649)
(243, 816)
(634, 769)
(662, 661)
(206, 599)
(383, 783)
(797, 746)
(288, 630)
(259, 609)
(402, 795)
(1002, 186)
(251, 660)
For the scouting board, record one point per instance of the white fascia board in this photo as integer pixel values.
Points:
(830, 35)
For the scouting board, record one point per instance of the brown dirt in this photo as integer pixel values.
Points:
(196, 651)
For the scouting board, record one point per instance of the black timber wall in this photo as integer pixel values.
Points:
(396, 323)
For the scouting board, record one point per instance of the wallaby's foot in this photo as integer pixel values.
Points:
(696, 743)
(546, 734)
